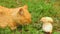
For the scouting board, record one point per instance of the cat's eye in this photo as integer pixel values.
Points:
(21, 11)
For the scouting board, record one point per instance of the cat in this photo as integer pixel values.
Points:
(11, 17)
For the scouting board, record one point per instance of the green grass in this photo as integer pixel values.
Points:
(38, 9)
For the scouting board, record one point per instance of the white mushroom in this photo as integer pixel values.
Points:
(47, 24)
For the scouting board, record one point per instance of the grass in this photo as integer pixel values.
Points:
(38, 9)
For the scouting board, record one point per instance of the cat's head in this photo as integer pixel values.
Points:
(22, 15)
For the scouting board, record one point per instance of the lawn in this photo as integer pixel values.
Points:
(38, 9)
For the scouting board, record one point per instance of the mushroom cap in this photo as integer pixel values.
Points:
(46, 19)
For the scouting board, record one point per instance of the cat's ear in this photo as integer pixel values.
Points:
(21, 12)
(25, 7)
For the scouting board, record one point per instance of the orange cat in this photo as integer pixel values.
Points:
(11, 17)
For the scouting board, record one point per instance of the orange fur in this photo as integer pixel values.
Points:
(13, 16)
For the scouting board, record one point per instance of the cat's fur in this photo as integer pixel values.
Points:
(11, 17)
